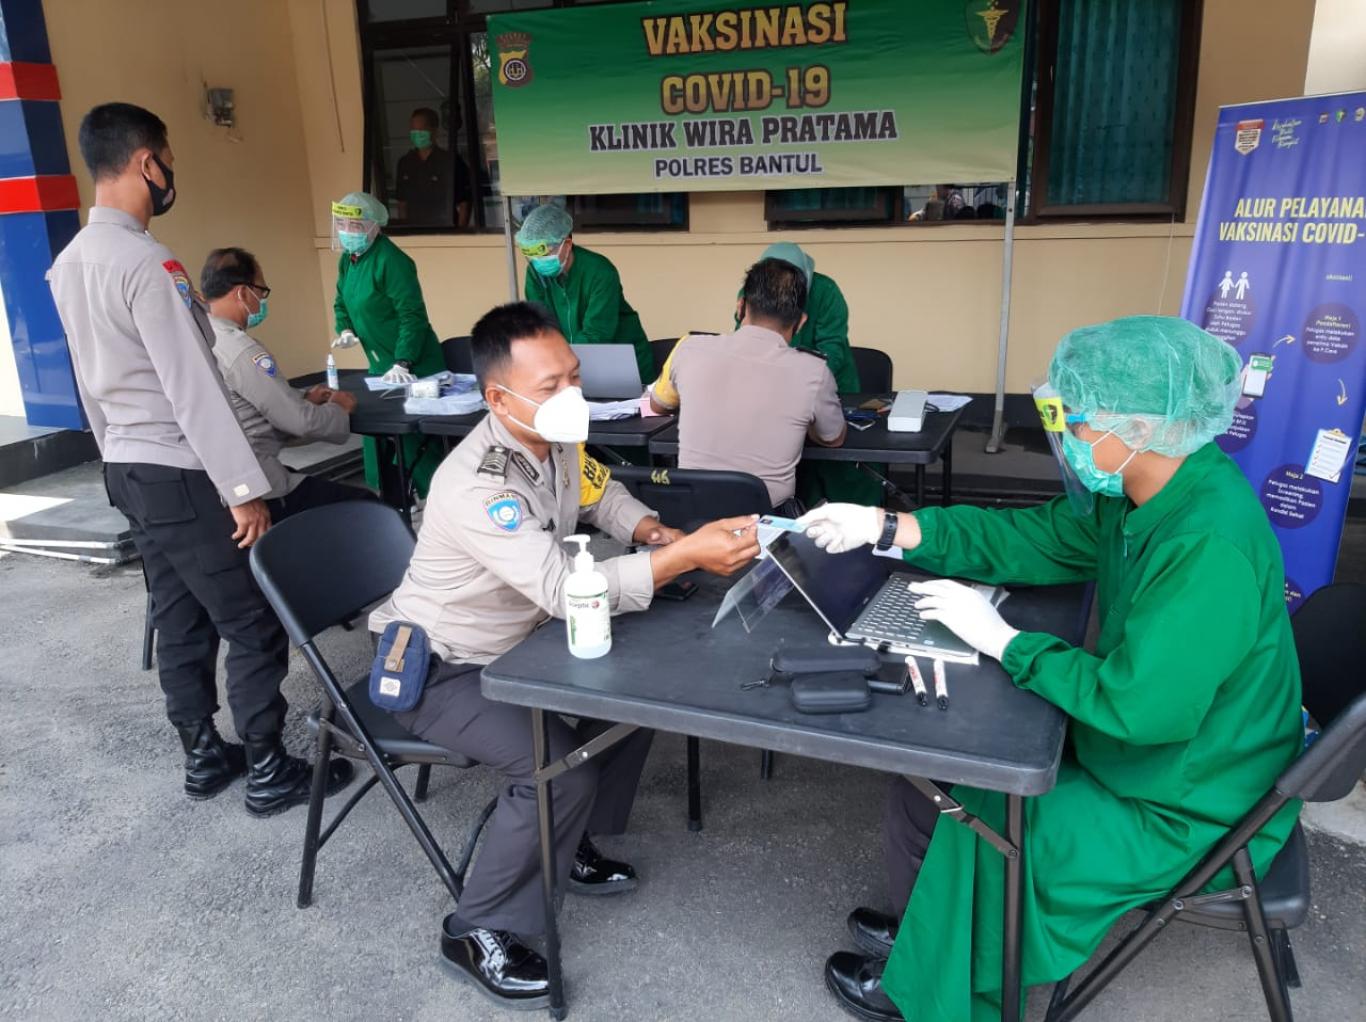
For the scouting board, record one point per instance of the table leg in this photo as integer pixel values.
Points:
(919, 486)
(694, 784)
(545, 818)
(1010, 935)
(404, 496)
(946, 460)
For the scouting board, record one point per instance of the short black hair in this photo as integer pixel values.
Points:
(430, 116)
(224, 269)
(492, 337)
(110, 134)
(775, 290)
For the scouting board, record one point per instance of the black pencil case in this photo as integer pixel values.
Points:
(791, 663)
(830, 692)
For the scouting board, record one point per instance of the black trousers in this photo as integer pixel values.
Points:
(314, 492)
(503, 890)
(202, 591)
(908, 824)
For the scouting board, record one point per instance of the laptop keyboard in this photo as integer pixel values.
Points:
(891, 614)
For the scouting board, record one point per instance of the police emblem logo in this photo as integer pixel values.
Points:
(504, 510)
(181, 280)
(265, 363)
(514, 67)
(991, 23)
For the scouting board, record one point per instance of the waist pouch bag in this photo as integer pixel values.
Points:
(403, 659)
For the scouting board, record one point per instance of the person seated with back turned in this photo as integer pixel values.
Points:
(489, 568)
(748, 401)
(273, 415)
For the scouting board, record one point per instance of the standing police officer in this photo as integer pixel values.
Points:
(176, 464)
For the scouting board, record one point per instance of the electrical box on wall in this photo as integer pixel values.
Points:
(219, 107)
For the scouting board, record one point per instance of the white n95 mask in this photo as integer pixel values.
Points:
(561, 418)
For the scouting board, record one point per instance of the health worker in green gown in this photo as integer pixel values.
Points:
(1180, 719)
(580, 287)
(379, 306)
(827, 331)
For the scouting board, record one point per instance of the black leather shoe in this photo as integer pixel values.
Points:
(499, 966)
(591, 874)
(856, 982)
(873, 931)
(211, 764)
(277, 780)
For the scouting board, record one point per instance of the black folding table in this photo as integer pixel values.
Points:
(633, 432)
(874, 445)
(669, 669)
(380, 416)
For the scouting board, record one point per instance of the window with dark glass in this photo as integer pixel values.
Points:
(431, 145)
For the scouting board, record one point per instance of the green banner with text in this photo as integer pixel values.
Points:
(688, 95)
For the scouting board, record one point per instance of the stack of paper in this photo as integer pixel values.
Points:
(606, 411)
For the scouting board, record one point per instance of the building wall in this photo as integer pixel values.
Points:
(1337, 47)
(248, 185)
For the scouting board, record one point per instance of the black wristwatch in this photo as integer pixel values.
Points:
(888, 537)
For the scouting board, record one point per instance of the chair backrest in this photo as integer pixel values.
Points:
(874, 370)
(688, 497)
(1331, 643)
(662, 349)
(321, 567)
(456, 351)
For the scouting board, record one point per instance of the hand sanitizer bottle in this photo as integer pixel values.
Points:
(333, 383)
(587, 612)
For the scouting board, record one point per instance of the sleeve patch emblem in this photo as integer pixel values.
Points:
(265, 363)
(504, 510)
(181, 280)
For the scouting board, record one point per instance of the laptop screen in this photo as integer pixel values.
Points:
(838, 586)
(609, 371)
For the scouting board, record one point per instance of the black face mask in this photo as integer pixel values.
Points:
(162, 198)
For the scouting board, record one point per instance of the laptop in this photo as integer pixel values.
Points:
(861, 603)
(609, 371)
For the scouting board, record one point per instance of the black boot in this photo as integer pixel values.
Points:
(277, 780)
(211, 764)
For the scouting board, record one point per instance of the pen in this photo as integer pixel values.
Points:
(917, 682)
(941, 688)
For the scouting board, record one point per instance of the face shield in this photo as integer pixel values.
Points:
(1056, 421)
(351, 230)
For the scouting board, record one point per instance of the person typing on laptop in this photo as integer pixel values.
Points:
(748, 401)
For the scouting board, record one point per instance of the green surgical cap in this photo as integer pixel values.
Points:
(1158, 382)
(546, 224)
(370, 207)
(790, 253)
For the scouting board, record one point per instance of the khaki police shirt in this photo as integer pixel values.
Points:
(745, 402)
(490, 563)
(140, 344)
(273, 414)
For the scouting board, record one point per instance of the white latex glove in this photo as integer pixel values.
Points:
(398, 376)
(836, 528)
(346, 339)
(966, 613)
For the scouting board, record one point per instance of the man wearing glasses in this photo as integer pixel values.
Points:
(273, 415)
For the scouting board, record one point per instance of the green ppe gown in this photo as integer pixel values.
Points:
(1182, 718)
(380, 300)
(591, 309)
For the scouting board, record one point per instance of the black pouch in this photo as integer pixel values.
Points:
(832, 692)
(789, 663)
(403, 658)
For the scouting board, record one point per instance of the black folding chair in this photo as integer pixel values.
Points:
(1332, 646)
(457, 354)
(321, 568)
(874, 370)
(662, 349)
(686, 498)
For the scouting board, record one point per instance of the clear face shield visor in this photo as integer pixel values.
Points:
(1056, 422)
(350, 220)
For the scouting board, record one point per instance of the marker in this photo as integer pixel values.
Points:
(941, 688)
(917, 682)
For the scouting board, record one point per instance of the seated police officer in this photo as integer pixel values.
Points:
(273, 415)
(489, 568)
(754, 384)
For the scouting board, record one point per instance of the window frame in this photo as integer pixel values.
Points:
(1183, 128)
(454, 30)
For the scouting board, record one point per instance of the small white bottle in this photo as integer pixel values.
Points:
(587, 611)
(333, 383)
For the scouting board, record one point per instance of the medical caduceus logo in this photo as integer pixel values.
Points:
(514, 67)
(991, 23)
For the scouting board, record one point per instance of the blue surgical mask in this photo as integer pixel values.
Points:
(1082, 457)
(548, 265)
(354, 242)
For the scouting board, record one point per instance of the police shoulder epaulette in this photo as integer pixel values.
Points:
(812, 351)
(494, 464)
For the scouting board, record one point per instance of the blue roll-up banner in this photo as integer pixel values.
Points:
(1278, 270)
